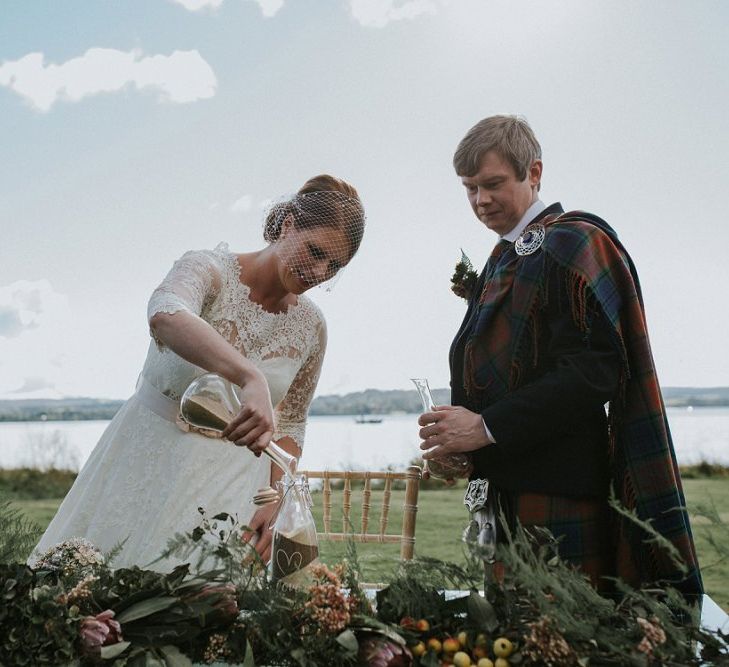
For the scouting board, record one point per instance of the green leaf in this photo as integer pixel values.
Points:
(481, 612)
(249, 662)
(145, 608)
(373, 625)
(113, 650)
(430, 659)
(348, 640)
(174, 657)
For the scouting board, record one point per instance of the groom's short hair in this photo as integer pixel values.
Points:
(509, 136)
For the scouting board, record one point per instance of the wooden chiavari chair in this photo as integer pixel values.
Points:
(367, 531)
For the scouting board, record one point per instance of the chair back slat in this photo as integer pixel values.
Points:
(346, 505)
(327, 502)
(385, 505)
(366, 493)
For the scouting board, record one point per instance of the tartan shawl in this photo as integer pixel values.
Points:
(643, 470)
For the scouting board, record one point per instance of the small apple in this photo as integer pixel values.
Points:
(481, 640)
(463, 638)
(501, 662)
(435, 645)
(484, 662)
(479, 652)
(418, 649)
(503, 647)
(462, 659)
(407, 622)
(422, 625)
(451, 645)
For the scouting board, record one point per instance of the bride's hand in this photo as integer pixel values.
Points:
(259, 526)
(253, 426)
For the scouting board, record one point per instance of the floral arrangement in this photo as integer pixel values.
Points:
(463, 281)
(73, 609)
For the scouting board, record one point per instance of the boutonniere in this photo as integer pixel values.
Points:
(464, 278)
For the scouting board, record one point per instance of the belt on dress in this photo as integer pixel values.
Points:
(154, 400)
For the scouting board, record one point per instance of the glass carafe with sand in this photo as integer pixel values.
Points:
(210, 402)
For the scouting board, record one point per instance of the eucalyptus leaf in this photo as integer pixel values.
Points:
(481, 612)
(249, 661)
(145, 608)
(174, 657)
(113, 650)
(349, 640)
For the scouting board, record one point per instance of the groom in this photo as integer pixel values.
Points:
(554, 331)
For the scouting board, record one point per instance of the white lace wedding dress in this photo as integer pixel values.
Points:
(146, 478)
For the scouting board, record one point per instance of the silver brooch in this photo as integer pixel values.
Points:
(476, 494)
(531, 239)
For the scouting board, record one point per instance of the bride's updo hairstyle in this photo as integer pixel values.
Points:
(323, 201)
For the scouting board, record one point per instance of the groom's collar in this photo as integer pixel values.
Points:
(534, 213)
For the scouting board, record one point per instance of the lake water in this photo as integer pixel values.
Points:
(337, 443)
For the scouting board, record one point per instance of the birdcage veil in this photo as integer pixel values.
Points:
(329, 226)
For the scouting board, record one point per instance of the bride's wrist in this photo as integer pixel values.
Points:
(248, 375)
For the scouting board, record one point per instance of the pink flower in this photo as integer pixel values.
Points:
(222, 597)
(379, 651)
(100, 630)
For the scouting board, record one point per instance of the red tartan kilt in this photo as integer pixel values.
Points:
(581, 525)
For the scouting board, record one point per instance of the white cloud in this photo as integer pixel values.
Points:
(25, 305)
(34, 329)
(269, 8)
(378, 13)
(34, 384)
(242, 205)
(197, 5)
(183, 76)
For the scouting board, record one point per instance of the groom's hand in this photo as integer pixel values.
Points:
(259, 526)
(450, 429)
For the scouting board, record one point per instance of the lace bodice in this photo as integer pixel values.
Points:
(287, 347)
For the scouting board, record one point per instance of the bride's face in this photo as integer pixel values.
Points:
(309, 257)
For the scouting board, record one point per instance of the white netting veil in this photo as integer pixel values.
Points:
(315, 234)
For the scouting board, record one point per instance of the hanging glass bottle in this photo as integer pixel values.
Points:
(295, 549)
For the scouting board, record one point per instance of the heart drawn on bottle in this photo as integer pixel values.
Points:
(288, 562)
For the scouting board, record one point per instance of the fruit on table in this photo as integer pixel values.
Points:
(485, 662)
(501, 662)
(418, 649)
(451, 645)
(407, 622)
(435, 645)
(503, 647)
(462, 659)
(463, 638)
(479, 652)
(422, 625)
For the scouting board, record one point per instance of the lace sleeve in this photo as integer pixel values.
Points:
(192, 283)
(292, 411)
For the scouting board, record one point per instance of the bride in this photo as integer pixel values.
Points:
(245, 317)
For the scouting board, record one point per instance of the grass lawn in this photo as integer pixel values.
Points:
(442, 516)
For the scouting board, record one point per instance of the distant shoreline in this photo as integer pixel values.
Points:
(363, 403)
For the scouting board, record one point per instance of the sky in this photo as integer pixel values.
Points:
(133, 131)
